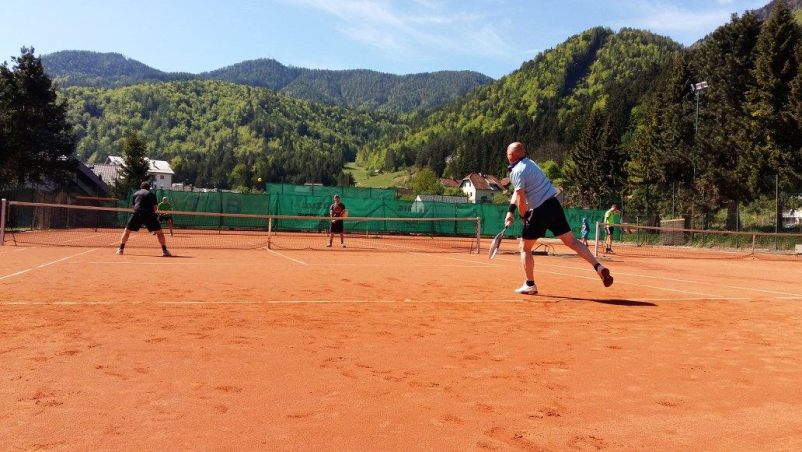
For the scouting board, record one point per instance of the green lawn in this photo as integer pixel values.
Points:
(398, 179)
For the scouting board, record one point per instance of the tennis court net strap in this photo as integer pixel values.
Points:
(84, 226)
(675, 242)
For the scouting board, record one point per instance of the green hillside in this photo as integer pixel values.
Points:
(361, 89)
(545, 102)
(222, 134)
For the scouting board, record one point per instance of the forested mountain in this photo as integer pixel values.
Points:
(221, 134)
(749, 139)
(104, 70)
(545, 103)
(362, 89)
(794, 5)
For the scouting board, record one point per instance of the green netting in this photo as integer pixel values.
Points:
(217, 202)
(319, 190)
(492, 215)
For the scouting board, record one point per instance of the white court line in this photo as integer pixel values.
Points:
(456, 259)
(82, 238)
(47, 264)
(445, 257)
(261, 264)
(11, 251)
(522, 299)
(618, 281)
(682, 280)
(286, 257)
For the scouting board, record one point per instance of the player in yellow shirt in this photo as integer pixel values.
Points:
(612, 216)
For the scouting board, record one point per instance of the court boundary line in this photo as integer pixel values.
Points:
(618, 281)
(286, 257)
(256, 264)
(46, 264)
(11, 251)
(476, 263)
(522, 299)
(686, 281)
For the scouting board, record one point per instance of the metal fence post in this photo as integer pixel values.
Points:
(478, 235)
(3, 205)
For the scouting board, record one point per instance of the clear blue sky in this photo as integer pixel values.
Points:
(397, 36)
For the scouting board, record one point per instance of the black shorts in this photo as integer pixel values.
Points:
(548, 215)
(608, 230)
(336, 226)
(165, 216)
(138, 219)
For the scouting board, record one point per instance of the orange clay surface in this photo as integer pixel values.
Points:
(344, 350)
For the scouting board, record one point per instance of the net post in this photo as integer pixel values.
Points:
(596, 242)
(754, 238)
(478, 235)
(3, 205)
(269, 230)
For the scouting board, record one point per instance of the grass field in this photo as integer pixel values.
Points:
(398, 179)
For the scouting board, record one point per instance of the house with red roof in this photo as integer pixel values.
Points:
(481, 187)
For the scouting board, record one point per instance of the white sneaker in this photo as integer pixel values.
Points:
(119, 251)
(342, 245)
(166, 254)
(527, 290)
(328, 245)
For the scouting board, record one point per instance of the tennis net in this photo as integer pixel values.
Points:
(672, 241)
(84, 226)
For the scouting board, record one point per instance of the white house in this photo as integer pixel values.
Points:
(419, 206)
(480, 187)
(792, 218)
(161, 175)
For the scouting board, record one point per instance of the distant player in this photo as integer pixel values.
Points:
(164, 213)
(536, 200)
(144, 214)
(585, 231)
(337, 210)
(610, 217)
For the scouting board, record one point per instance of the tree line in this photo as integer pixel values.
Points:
(615, 111)
(37, 140)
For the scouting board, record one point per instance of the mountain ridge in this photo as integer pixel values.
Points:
(356, 88)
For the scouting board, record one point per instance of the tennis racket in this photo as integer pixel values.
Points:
(497, 242)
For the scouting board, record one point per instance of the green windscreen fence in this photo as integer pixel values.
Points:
(319, 190)
(491, 215)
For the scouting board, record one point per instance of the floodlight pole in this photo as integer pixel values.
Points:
(697, 89)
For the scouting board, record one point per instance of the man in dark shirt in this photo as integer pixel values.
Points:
(145, 205)
(337, 210)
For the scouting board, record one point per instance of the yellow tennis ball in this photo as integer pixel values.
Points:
(260, 179)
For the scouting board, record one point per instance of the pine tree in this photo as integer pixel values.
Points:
(724, 142)
(769, 99)
(39, 141)
(584, 171)
(136, 167)
(795, 112)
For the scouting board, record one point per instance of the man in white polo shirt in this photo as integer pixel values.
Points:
(535, 199)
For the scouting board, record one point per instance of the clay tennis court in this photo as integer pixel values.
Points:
(367, 350)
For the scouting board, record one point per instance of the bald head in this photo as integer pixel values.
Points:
(515, 152)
